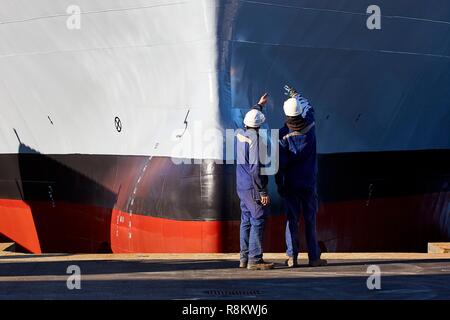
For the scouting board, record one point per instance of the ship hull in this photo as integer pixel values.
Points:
(367, 202)
(91, 119)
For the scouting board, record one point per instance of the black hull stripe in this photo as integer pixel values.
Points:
(206, 191)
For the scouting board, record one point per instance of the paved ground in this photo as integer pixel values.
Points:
(146, 276)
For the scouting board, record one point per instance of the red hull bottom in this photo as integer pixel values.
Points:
(381, 225)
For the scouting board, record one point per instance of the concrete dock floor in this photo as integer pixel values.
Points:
(215, 276)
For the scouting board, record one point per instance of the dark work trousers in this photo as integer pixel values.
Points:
(297, 202)
(253, 218)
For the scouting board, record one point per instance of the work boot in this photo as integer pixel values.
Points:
(291, 262)
(318, 263)
(260, 265)
(243, 264)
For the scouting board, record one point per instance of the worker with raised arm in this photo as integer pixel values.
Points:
(251, 187)
(296, 178)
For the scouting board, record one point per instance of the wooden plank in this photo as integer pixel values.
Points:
(439, 247)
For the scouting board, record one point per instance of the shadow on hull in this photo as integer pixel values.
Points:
(46, 205)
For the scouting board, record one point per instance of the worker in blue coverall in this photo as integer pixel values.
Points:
(251, 188)
(296, 178)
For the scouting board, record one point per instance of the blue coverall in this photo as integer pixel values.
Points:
(296, 180)
(250, 185)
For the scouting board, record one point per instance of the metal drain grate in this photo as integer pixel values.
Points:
(235, 293)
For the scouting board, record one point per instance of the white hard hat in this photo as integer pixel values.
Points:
(292, 107)
(254, 118)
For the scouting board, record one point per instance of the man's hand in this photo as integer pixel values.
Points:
(265, 200)
(290, 92)
(263, 99)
